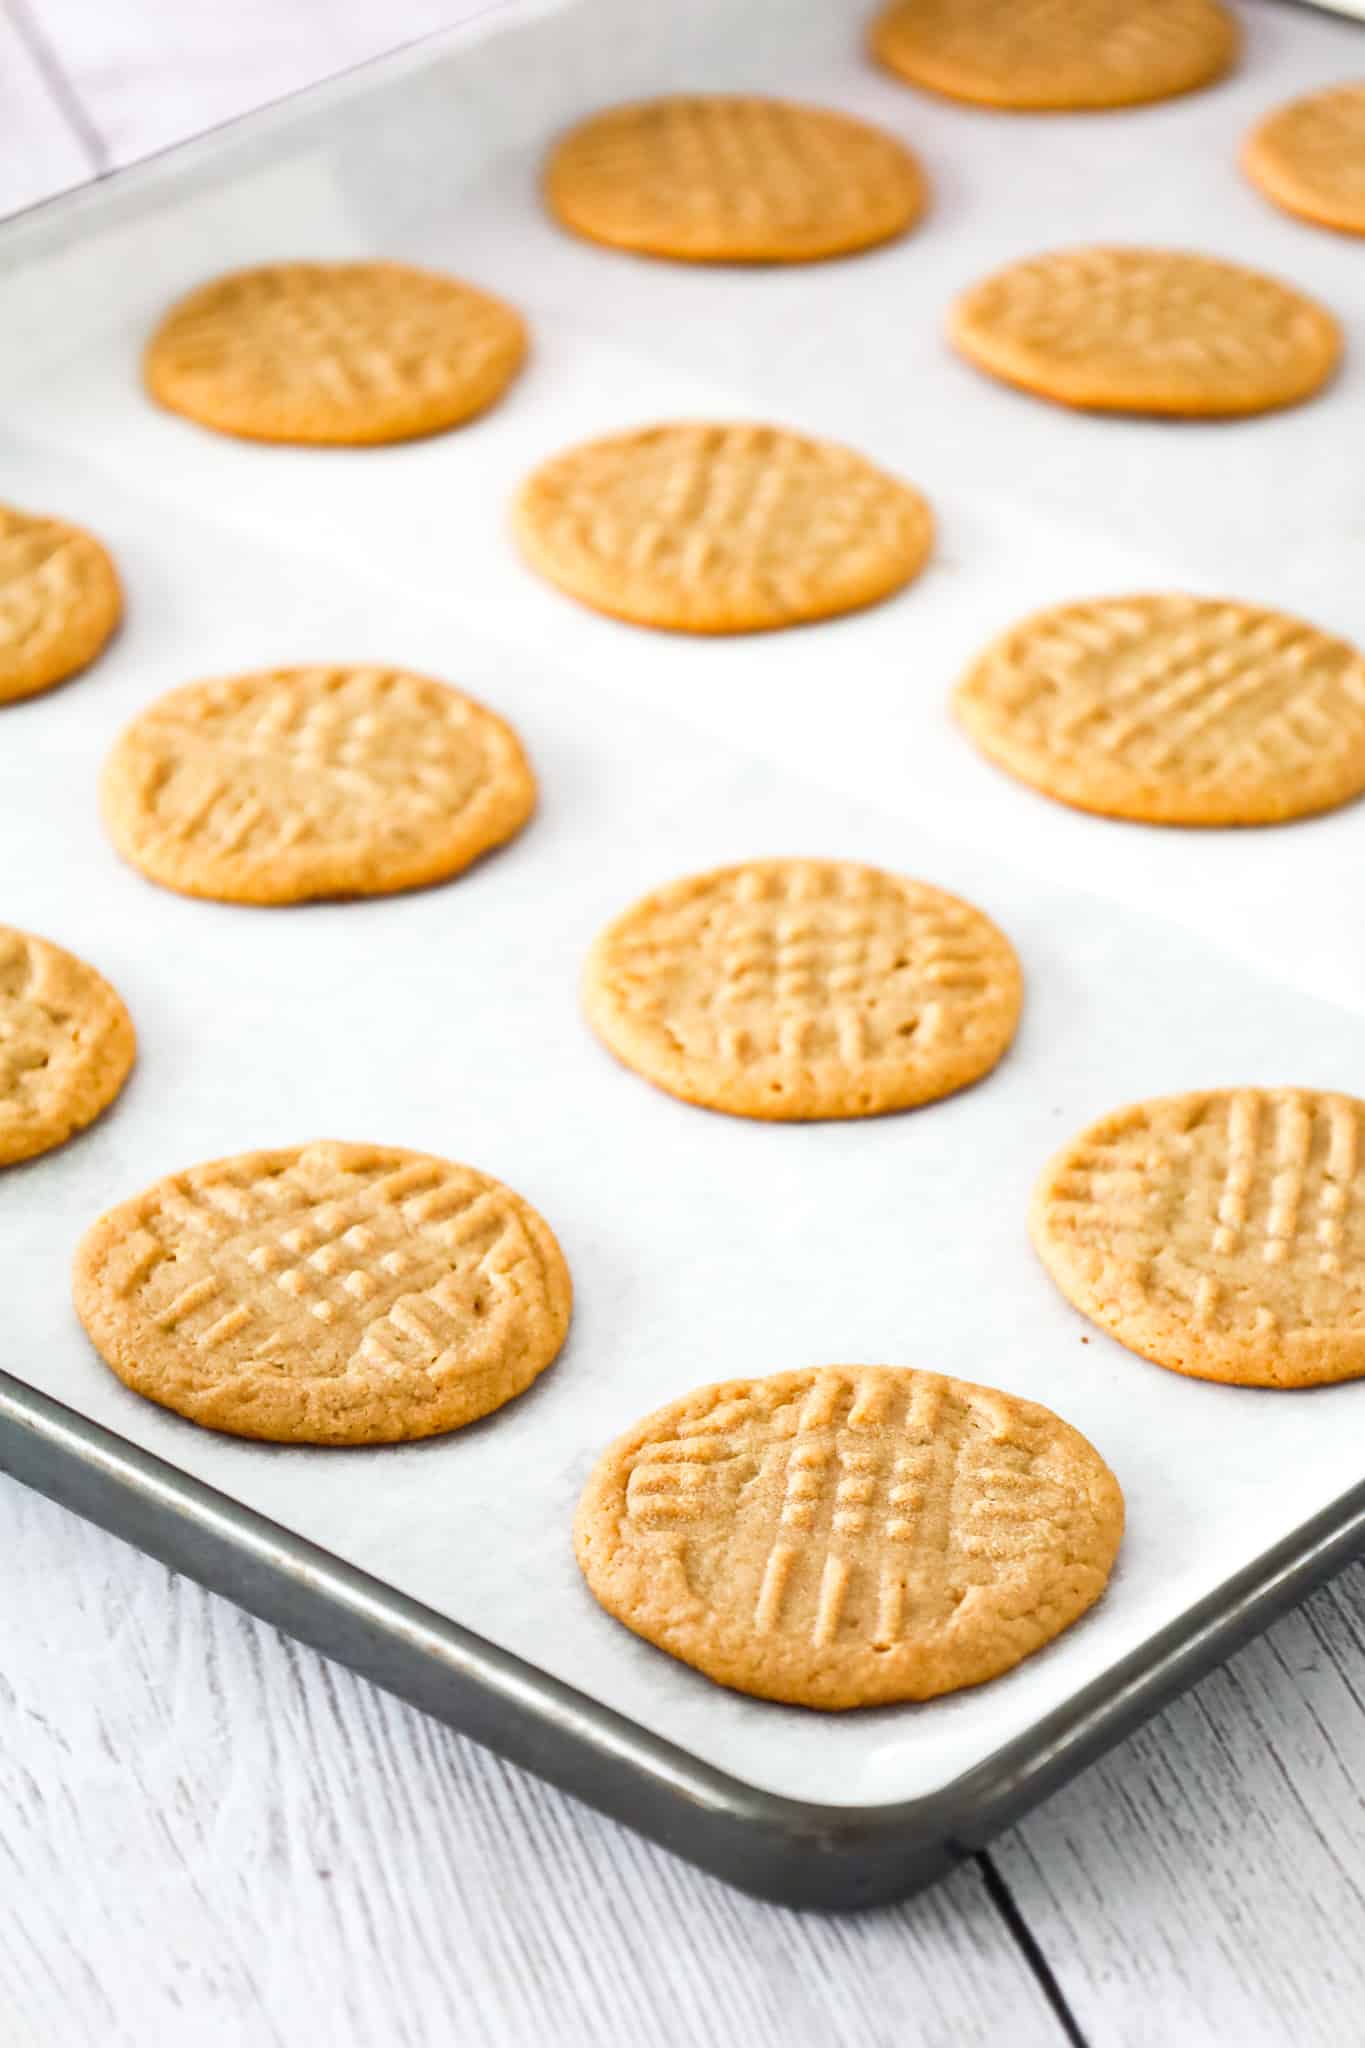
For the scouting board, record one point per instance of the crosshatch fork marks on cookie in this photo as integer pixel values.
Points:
(1309, 157)
(66, 1045)
(849, 1534)
(795, 989)
(732, 178)
(1173, 709)
(721, 528)
(1127, 329)
(334, 352)
(60, 600)
(329, 1293)
(298, 783)
(1063, 54)
(1221, 1234)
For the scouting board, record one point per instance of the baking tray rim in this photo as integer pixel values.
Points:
(794, 1852)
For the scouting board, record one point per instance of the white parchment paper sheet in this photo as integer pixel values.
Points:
(702, 1247)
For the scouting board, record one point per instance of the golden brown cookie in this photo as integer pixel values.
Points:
(1174, 710)
(798, 989)
(733, 178)
(849, 1536)
(325, 1294)
(59, 601)
(721, 529)
(311, 782)
(66, 1045)
(1221, 1234)
(1309, 157)
(1066, 55)
(342, 353)
(1147, 331)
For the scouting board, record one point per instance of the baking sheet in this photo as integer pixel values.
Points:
(448, 1020)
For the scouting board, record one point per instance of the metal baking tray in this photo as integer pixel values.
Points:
(795, 1851)
(443, 1571)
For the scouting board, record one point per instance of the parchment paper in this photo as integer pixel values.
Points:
(701, 1246)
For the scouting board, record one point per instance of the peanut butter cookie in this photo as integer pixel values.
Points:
(1147, 331)
(849, 1536)
(1309, 157)
(325, 1294)
(66, 1045)
(1221, 1234)
(340, 353)
(1063, 55)
(733, 178)
(59, 602)
(721, 529)
(792, 990)
(1174, 710)
(313, 782)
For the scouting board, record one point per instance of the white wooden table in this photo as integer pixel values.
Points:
(208, 1835)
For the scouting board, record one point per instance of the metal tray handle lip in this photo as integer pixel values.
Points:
(956, 1819)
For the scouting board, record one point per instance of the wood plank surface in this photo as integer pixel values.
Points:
(1205, 1884)
(211, 1838)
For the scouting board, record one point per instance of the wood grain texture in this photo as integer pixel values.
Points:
(210, 1836)
(1205, 1884)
